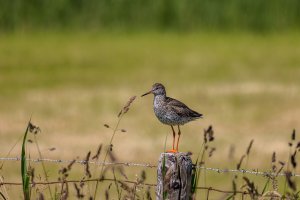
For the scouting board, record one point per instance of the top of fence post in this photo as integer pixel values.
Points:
(174, 176)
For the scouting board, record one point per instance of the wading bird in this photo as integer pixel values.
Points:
(170, 111)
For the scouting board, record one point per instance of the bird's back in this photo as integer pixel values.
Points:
(173, 112)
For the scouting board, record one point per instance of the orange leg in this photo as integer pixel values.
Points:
(179, 133)
(173, 137)
(173, 146)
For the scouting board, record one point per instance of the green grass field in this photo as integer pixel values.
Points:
(247, 86)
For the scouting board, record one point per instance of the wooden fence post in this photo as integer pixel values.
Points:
(174, 177)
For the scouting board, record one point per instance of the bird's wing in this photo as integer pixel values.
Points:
(180, 108)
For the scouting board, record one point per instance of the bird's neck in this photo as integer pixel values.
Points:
(159, 97)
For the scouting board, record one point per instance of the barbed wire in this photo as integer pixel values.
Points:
(137, 183)
(82, 162)
(148, 165)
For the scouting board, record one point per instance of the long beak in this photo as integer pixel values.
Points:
(147, 93)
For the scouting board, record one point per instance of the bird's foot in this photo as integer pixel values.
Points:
(172, 151)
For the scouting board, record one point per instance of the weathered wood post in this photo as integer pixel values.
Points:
(174, 177)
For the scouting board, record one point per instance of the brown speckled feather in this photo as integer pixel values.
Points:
(180, 108)
(168, 110)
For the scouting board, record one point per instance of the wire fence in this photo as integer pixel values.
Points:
(124, 181)
(144, 165)
(149, 165)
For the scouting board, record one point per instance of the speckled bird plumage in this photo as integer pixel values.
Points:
(171, 111)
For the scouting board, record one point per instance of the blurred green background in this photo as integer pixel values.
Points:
(73, 64)
(176, 15)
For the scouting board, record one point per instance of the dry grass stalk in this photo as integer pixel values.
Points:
(96, 156)
(125, 187)
(234, 186)
(293, 159)
(41, 197)
(120, 115)
(241, 161)
(251, 188)
(291, 183)
(282, 164)
(32, 175)
(208, 137)
(209, 134)
(3, 190)
(290, 180)
(64, 173)
(249, 147)
(120, 169)
(274, 175)
(293, 135)
(71, 164)
(35, 130)
(148, 193)
(125, 109)
(142, 177)
(87, 166)
(79, 195)
(212, 150)
(107, 192)
(64, 191)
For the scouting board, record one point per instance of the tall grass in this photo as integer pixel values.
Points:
(177, 15)
(108, 152)
(246, 186)
(24, 168)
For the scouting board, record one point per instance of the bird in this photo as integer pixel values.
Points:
(171, 112)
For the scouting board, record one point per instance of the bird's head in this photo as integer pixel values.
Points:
(157, 89)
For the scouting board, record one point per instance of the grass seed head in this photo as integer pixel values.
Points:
(293, 159)
(33, 128)
(209, 134)
(274, 157)
(52, 149)
(294, 135)
(87, 167)
(125, 109)
(212, 150)
(249, 147)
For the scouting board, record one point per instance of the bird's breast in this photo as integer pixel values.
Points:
(165, 116)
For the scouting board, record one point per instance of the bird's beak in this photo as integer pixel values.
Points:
(147, 93)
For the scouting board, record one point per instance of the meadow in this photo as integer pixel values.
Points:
(71, 84)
